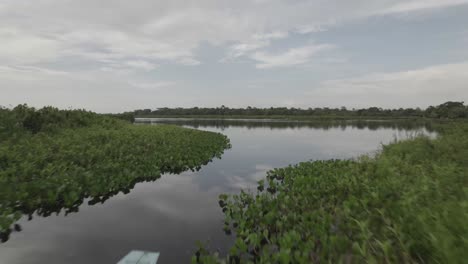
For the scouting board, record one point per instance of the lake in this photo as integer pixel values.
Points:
(170, 214)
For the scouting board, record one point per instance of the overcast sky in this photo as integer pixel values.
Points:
(112, 56)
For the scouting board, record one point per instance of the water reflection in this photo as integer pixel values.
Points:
(223, 124)
(92, 190)
(170, 215)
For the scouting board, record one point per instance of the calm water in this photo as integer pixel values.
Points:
(170, 214)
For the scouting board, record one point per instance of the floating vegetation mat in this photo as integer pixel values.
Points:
(408, 204)
(50, 164)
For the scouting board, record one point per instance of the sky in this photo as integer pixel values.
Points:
(120, 55)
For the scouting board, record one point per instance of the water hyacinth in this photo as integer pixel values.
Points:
(408, 204)
(47, 166)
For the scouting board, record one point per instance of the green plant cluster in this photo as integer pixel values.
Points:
(54, 164)
(24, 119)
(408, 204)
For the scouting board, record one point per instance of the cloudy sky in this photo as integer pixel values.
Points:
(112, 56)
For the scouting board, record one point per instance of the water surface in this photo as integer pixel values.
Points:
(170, 214)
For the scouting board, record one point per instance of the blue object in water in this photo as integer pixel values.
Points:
(140, 257)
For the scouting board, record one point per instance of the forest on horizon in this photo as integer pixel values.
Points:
(449, 109)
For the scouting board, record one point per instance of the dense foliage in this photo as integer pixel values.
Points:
(52, 159)
(22, 120)
(446, 110)
(408, 204)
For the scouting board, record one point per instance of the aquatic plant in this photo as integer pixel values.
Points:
(47, 166)
(408, 204)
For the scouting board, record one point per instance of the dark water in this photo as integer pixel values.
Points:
(172, 213)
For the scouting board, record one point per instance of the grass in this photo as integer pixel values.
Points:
(408, 204)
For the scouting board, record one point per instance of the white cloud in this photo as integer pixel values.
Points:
(119, 47)
(422, 87)
(188, 61)
(10, 75)
(116, 69)
(306, 29)
(108, 90)
(271, 35)
(29, 69)
(19, 47)
(416, 5)
(103, 31)
(291, 57)
(106, 44)
(140, 64)
(241, 49)
(151, 86)
(257, 41)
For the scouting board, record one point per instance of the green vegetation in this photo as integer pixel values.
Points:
(408, 204)
(447, 110)
(53, 159)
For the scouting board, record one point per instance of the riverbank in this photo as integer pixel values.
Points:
(406, 204)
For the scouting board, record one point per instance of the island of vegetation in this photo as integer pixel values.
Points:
(53, 160)
(407, 204)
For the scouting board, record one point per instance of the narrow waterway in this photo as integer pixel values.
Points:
(172, 213)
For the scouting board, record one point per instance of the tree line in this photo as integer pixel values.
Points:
(445, 110)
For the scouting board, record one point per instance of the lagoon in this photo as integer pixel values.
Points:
(170, 214)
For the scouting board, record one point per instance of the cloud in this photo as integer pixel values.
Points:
(257, 41)
(416, 5)
(107, 44)
(107, 90)
(109, 32)
(151, 86)
(29, 70)
(141, 64)
(11, 75)
(114, 46)
(291, 57)
(18, 47)
(306, 29)
(422, 87)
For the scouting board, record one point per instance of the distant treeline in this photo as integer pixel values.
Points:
(445, 110)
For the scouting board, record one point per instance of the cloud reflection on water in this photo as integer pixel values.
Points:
(169, 215)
